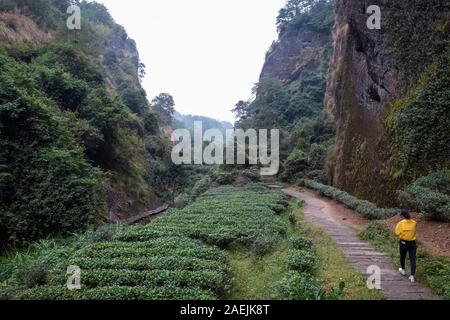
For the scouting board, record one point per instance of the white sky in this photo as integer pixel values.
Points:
(207, 53)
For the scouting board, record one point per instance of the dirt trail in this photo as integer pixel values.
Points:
(359, 253)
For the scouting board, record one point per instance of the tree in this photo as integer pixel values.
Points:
(292, 9)
(164, 105)
(315, 13)
(134, 98)
(241, 110)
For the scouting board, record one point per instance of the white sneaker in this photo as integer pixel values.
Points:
(412, 279)
(402, 271)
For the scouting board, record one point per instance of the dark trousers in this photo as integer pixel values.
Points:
(410, 248)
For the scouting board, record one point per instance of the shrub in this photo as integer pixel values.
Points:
(293, 218)
(134, 98)
(251, 174)
(301, 243)
(34, 274)
(182, 201)
(64, 89)
(430, 196)
(438, 181)
(299, 286)
(433, 205)
(377, 233)
(60, 130)
(301, 260)
(336, 293)
(103, 233)
(301, 203)
(201, 186)
(264, 245)
(225, 178)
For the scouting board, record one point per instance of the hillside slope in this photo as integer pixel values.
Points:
(78, 140)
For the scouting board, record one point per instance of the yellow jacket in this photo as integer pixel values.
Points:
(406, 230)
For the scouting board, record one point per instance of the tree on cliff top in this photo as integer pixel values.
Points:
(292, 9)
(314, 11)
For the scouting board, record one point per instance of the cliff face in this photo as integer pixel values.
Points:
(361, 84)
(372, 71)
(294, 53)
(290, 93)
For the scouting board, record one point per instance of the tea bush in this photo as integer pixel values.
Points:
(299, 286)
(205, 279)
(366, 208)
(301, 243)
(117, 293)
(299, 283)
(301, 260)
(264, 245)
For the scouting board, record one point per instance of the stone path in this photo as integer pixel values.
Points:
(360, 253)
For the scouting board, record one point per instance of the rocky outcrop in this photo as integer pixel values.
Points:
(293, 53)
(16, 28)
(121, 58)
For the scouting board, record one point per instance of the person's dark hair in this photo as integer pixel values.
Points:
(405, 214)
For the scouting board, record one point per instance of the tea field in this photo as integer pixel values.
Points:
(180, 255)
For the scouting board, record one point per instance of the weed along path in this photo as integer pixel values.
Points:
(359, 253)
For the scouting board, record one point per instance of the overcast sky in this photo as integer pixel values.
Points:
(207, 53)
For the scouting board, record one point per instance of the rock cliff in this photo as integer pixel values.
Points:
(370, 70)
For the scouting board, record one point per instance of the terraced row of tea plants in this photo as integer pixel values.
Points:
(180, 255)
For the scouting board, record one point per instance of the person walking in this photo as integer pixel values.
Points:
(406, 232)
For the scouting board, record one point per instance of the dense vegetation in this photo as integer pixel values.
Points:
(430, 196)
(311, 14)
(46, 13)
(418, 121)
(296, 107)
(65, 135)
